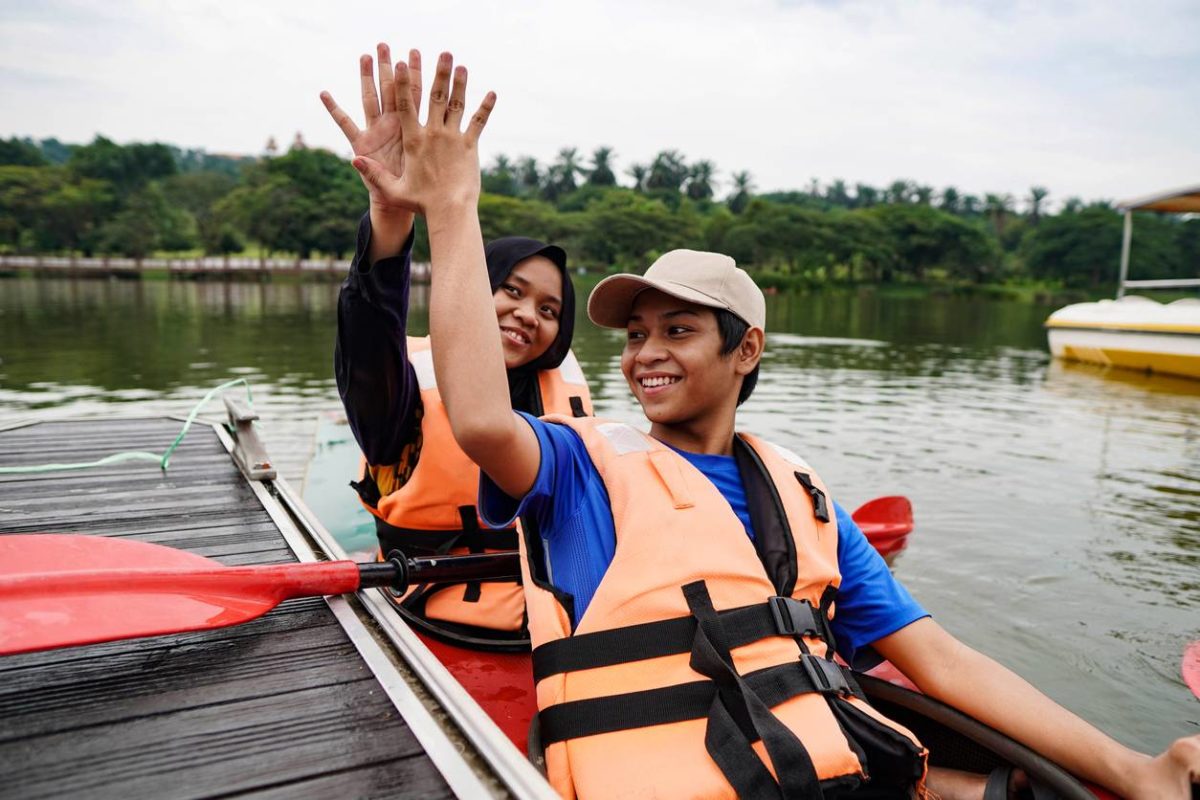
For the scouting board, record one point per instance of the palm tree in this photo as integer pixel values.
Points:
(639, 173)
(898, 191)
(601, 173)
(865, 196)
(1072, 205)
(1036, 195)
(743, 186)
(838, 195)
(998, 207)
(667, 171)
(924, 194)
(499, 178)
(700, 178)
(951, 201)
(566, 168)
(529, 175)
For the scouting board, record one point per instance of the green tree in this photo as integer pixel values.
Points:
(1076, 247)
(500, 178)
(147, 223)
(17, 152)
(923, 238)
(529, 176)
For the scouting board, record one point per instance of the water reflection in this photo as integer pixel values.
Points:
(1057, 506)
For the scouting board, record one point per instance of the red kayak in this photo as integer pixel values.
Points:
(502, 683)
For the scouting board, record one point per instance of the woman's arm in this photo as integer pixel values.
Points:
(376, 383)
(948, 670)
(441, 180)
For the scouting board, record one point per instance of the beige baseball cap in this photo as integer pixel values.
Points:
(707, 279)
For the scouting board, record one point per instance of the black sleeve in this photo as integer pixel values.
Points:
(376, 382)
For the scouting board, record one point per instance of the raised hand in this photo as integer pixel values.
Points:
(382, 139)
(441, 160)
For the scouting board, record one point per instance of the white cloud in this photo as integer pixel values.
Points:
(1094, 99)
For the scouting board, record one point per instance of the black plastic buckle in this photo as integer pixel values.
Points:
(794, 617)
(820, 507)
(826, 676)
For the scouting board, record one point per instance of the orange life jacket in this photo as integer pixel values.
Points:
(702, 666)
(434, 513)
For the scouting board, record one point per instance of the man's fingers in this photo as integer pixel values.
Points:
(406, 109)
(340, 117)
(480, 118)
(370, 99)
(439, 94)
(387, 94)
(458, 99)
(414, 77)
(385, 183)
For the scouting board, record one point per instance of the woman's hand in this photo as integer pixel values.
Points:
(382, 140)
(441, 160)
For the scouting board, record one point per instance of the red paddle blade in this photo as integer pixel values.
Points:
(61, 590)
(1191, 667)
(886, 522)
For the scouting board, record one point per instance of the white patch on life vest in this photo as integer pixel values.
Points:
(790, 457)
(623, 438)
(423, 365)
(570, 371)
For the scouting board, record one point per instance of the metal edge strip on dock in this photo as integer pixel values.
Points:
(509, 763)
(458, 773)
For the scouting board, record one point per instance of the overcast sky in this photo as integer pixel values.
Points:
(1097, 99)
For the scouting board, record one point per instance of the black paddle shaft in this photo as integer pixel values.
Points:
(399, 573)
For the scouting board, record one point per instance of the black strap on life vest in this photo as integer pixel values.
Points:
(779, 616)
(368, 490)
(576, 406)
(417, 542)
(470, 525)
(737, 707)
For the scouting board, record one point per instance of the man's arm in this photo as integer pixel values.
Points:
(441, 179)
(948, 670)
(381, 141)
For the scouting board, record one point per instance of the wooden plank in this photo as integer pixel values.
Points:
(279, 706)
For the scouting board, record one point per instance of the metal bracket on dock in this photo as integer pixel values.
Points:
(248, 453)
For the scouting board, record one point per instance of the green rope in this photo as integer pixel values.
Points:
(137, 455)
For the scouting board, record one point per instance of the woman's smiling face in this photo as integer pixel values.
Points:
(528, 307)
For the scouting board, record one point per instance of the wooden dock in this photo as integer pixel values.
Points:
(308, 701)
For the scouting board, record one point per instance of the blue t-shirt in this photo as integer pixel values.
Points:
(570, 504)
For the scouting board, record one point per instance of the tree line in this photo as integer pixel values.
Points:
(138, 199)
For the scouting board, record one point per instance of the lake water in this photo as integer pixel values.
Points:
(1057, 507)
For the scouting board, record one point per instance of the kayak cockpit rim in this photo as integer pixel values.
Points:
(1177, 201)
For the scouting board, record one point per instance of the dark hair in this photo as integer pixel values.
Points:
(733, 329)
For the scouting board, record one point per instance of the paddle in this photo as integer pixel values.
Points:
(1191, 667)
(886, 522)
(58, 590)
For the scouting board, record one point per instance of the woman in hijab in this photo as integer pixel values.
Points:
(417, 482)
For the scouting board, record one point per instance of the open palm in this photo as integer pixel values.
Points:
(382, 140)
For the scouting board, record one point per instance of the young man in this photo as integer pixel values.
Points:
(680, 584)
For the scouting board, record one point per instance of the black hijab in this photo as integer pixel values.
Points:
(502, 256)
